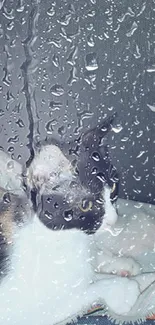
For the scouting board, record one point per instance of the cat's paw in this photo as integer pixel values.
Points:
(130, 267)
(123, 266)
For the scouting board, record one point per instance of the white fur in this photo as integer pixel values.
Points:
(52, 279)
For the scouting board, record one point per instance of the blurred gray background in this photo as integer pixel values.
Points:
(67, 64)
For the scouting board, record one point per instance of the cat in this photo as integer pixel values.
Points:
(48, 244)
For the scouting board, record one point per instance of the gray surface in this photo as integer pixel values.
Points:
(44, 43)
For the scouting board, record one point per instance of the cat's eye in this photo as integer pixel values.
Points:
(86, 206)
(113, 188)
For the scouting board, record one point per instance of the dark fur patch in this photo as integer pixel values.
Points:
(56, 213)
(12, 215)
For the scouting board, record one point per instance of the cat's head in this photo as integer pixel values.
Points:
(69, 185)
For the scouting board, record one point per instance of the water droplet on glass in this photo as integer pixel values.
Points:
(151, 68)
(9, 14)
(91, 13)
(10, 165)
(49, 126)
(65, 19)
(6, 198)
(57, 90)
(152, 107)
(94, 171)
(72, 76)
(56, 61)
(61, 130)
(1, 112)
(117, 128)
(11, 149)
(13, 139)
(130, 13)
(48, 215)
(68, 215)
(93, 2)
(1, 31)
(51, 12)
(137, 178)
(140, 154)
(10, 25)
(132, 30)
(91, 62)
(20, 123)
(54, 41)
(55, 106)
(101, 177)
(96, 156)
(90, 79)
(72, 56)
(140, 133)
(90, 40)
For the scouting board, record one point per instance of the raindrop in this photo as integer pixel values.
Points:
(140, 133)
(48, 215)
(90, 40)
(61, 131)
(94, 171)
(71, 9)
(8, 14)
(1, 31)
(20, 123)
(56, 205)
(152, 107)
(20, 7)
(11, 149)
(90, 79)
(130, 13)
(91, 62)
(96, 156)
(140, 154)
(72, 76)
(6, 198)
(10, 165)
(56, 61)
(54, 41)
(55, 106)
(51, 12)
(49, 126)
(101, 177)
(13, 139)
(151, 69)
(1, 112)
(65, 19)
(68, 215)
(10, 25)
(57, 90)
(91, 13)
(117, 128)
(132, 30)
(72, 56)
(137, 178)
(93, 2)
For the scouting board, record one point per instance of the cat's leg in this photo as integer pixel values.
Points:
(10, 174)
(127, 299)
(116, 293)
(107, 262)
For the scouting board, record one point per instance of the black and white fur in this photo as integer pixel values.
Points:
(49, 275)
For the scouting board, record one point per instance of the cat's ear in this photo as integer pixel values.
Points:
(49, 169)
(96, 134)
(10, 174)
